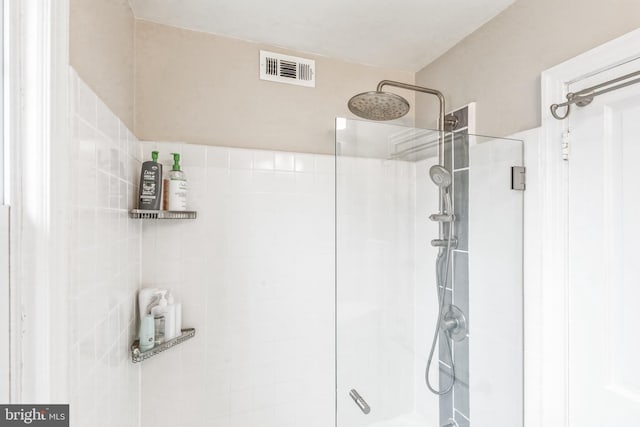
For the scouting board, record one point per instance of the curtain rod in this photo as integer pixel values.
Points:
(584, 97)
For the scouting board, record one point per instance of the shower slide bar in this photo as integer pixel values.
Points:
(584, 97)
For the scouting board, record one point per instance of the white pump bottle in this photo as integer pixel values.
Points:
(159, 313)
(170, 319)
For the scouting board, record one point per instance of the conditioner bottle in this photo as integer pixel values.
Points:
(177, 191)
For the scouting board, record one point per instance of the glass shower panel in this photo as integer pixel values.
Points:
(386, 297)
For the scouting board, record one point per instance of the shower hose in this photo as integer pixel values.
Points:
(441, 284)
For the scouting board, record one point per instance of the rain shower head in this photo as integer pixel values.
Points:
(440, 176)
(377, 105)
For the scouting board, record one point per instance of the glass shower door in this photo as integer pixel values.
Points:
(386, 297)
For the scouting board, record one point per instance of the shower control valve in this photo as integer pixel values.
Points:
(454, 323)
(450, 323)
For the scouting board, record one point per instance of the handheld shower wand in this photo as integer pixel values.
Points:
(442, 178)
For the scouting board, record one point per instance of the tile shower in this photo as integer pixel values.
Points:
(254, 273)
(256, 276)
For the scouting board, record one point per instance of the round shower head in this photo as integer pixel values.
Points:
(378, 105)
(440, 176)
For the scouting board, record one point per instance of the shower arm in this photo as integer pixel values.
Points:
(441, 118)
(452, 123)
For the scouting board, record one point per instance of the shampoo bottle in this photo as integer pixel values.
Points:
(159, 313)
(151, 184)
(170, 319)
(177, 192)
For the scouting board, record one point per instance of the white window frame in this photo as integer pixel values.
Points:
(37, 131)
(5, 355)
(5, 337)
(4, 147)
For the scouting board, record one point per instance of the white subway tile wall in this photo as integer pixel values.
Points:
(255, 273)
(104, 384)
(255, 276)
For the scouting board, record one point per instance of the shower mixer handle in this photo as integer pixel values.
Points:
(453, 322)
(449, 324)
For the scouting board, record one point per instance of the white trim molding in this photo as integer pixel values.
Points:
(552, 251)
(38, 131)
(5, 355)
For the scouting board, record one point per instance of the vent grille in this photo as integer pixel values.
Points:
(305, 72)
(272, 66)
(287, 69)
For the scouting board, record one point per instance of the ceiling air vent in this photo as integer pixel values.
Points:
(276, 67)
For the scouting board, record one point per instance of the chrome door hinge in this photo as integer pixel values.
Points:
(566, 146)
(518, 178)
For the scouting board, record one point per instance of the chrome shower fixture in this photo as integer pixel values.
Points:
(454, 323)
(440, 176)
(445, 243)
(378, 105)
(441, 217)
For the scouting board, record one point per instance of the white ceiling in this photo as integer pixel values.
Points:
(399, 34)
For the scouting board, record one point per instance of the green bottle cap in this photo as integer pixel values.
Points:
(176, 161)
(154, 156)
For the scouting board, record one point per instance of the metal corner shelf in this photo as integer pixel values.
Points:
(139, 356)
(153, 214)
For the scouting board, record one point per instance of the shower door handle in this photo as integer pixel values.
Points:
(362, 404)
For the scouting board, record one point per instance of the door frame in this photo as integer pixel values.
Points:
(551, 340)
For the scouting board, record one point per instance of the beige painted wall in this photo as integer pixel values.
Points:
(205, 89)
(101, 40)
(499, 65)
(200, 88)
